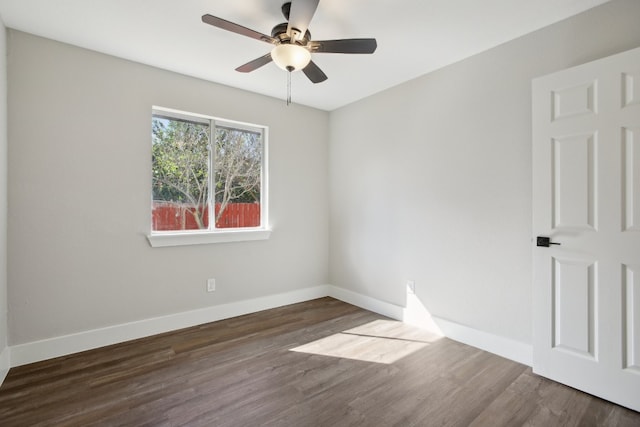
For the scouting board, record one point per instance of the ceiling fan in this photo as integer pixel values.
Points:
(292, 41)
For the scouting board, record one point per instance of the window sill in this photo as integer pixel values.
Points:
(162, 239)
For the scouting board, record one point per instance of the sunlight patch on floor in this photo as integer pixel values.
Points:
(380, 341)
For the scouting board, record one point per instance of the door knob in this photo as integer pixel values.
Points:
(545, 242)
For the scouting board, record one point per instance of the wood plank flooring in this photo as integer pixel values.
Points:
(318, 363)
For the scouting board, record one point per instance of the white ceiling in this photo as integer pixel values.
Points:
(414, 37)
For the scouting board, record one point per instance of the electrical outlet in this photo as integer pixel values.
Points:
(411, 286)
(211, 285)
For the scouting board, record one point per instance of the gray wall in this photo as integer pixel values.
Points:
(3, 189)
(79, 195)
(431, 180)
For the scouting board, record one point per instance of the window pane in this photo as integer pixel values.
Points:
(180, 174)
(238, 176)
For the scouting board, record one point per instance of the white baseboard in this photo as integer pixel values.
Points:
(5, 363)
(377, 306)
(505, 347)
(36, 351)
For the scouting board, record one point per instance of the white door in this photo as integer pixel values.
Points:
(586, 198)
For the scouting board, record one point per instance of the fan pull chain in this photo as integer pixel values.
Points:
(289, 88)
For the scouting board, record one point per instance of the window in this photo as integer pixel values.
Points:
(208, 179)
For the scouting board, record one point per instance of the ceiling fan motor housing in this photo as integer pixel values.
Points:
(279, 32)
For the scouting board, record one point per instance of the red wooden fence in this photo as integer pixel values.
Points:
(168, 216)
(237, 215)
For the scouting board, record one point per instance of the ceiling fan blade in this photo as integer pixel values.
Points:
(255, 64)
(236, 28)
(314, 73)
(344, 46)
(300, 16)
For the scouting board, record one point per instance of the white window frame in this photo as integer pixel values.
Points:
(217, 235)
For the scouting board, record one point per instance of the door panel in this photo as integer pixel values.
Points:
(573, 182)
(631, 306)
(586, 198)
(631, 88)
(631, 178)
(574, 307)
(574, 101)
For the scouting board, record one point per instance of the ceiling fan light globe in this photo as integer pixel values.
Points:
(291, 57)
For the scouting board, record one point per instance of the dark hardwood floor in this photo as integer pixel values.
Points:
(319, 363)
